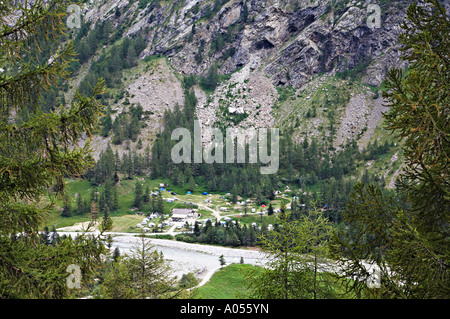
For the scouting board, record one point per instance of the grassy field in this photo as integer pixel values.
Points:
(230, 283)
(227, 283)
(125, 223)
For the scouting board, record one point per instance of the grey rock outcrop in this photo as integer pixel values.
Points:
(264, 45)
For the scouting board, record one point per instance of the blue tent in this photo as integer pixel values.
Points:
(205, 193)
(162, 188)
(188, 192)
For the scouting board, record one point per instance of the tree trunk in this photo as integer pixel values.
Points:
(315, 275)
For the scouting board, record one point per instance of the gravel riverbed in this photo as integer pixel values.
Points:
(202, 260)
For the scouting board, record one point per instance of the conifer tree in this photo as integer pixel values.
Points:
(234, 194)
(106, 217)
(144, 267)
(115, 199)
(286, 276)
(80, 205)
(212, 78)
(270, 210)
(38, 149)
(244, 12)
(86, 207)
(116, 254)
(106, 124)
(294, 251)
(138, 195)
(222, 261)
(160, 204)
(147, 194)
(66, 212)
(94, 211)
(407, 237)
(108, 192)
(191, 184)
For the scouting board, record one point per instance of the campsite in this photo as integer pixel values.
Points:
(203, 204)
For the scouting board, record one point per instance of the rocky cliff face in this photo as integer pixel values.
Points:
(289, 40)
(267, 46)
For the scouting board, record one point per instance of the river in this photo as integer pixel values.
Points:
(202, 260)
(197, 258)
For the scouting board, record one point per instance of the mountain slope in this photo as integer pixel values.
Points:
(312, 66)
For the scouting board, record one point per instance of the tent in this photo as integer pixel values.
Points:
(188, 192)
(162, 188)
(205, 193)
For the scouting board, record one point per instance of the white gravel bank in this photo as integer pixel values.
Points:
(207, 249)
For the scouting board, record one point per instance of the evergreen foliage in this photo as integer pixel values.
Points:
(230, 235)
(294, 249)
(406, 236)
(141, 274)
(38, 149)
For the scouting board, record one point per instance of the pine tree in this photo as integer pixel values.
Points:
(258, 195)
(160, 204)
(147, 157)
(315, 231)
(146, 268)
(80, 205)
(147, 194)
(101, 201)
(138, 195)
(117, 164)
(129, 166)
(38, 149)
(131, 57)
(108, 192)
(118, 135)
(222, 261)
(115, 199)
(234, 194)
(196, 229)
(288, 273)
(245, 208)
(116, 254)
(244, 12)
(212, 78)
(105, 216)
(191, 184)
(106, 124)
(94, 196)
(270, 210)
(180, 179)
(116, 178)
(86, 208)
(407, 237)
(152, 204)
(94, 211)
(66, 212)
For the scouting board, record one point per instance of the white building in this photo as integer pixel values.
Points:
(179, 214)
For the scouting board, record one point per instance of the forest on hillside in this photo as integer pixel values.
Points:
(45, 140)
